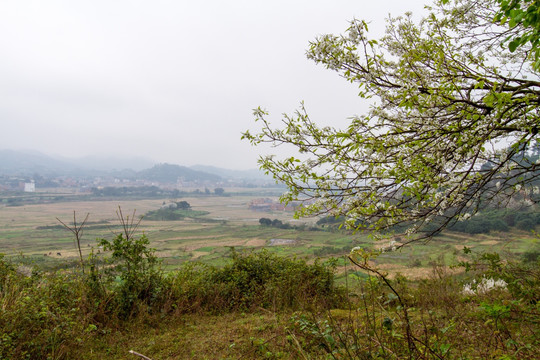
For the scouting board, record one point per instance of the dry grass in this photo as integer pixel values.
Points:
(415, 273)
(229, 336)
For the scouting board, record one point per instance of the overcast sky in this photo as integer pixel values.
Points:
(171, 81)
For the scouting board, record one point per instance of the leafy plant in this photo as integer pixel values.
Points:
(135, 265)
(264, 279)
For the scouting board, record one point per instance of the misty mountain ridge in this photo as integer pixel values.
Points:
(112, 163)
(28, 163)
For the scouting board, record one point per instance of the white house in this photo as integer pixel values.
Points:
(30, 187)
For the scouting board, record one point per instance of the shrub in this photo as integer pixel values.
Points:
(526, 224)
(135, 269)
(531, 256)
(40, 316)
(6, 271)
(49, 315)
(266, 280)
(388, 319)
(252, 280)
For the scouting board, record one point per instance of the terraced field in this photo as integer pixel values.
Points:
(34, 232)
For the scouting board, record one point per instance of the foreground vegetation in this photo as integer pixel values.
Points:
(63, 314)
(261, 305)
(194, 297)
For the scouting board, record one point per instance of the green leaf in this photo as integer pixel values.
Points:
(513, 45)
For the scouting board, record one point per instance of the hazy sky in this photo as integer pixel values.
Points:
(171, 81)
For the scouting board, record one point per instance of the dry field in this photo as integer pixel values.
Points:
(33, 230)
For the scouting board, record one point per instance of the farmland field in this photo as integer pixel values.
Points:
(34, 232)
(204, 312)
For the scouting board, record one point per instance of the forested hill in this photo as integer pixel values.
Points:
(168, 173)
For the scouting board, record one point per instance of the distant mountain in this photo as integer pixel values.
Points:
(169, 173)
(31, 162)
(252, 174)
(111, 163)
(27, 163)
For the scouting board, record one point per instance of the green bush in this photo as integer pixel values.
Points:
(433, 319)
(498, 220)
(173, 214)
(136, 272)
(41, 316)
(531, 256)
(7, 270)
(526, 224)
(250, 281)
(267, 280)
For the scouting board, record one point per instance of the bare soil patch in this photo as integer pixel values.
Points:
(256, 242)
(415, 273)
(279, 242)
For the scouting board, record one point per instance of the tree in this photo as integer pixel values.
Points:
(183, 205)
(449, 98)
(77, 231)
(135, 263)
(219, 191)
(525, 13)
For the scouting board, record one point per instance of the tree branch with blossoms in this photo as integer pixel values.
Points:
(451, 130)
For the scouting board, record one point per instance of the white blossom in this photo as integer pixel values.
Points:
(484, 286)
(467, 290)
(465, 216)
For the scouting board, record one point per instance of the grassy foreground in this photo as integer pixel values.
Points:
(263, 306)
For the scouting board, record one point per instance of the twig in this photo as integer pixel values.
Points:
(141, 355)
(129, 226)
(410, 338)
(77, 231)
(306, 357)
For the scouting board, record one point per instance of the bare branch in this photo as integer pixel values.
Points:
(77, 231)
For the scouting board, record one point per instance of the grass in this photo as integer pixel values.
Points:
(65, 319)
(240, 335)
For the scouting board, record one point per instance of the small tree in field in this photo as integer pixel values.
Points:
(135, 263)
(77, 230)
(454, 114)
